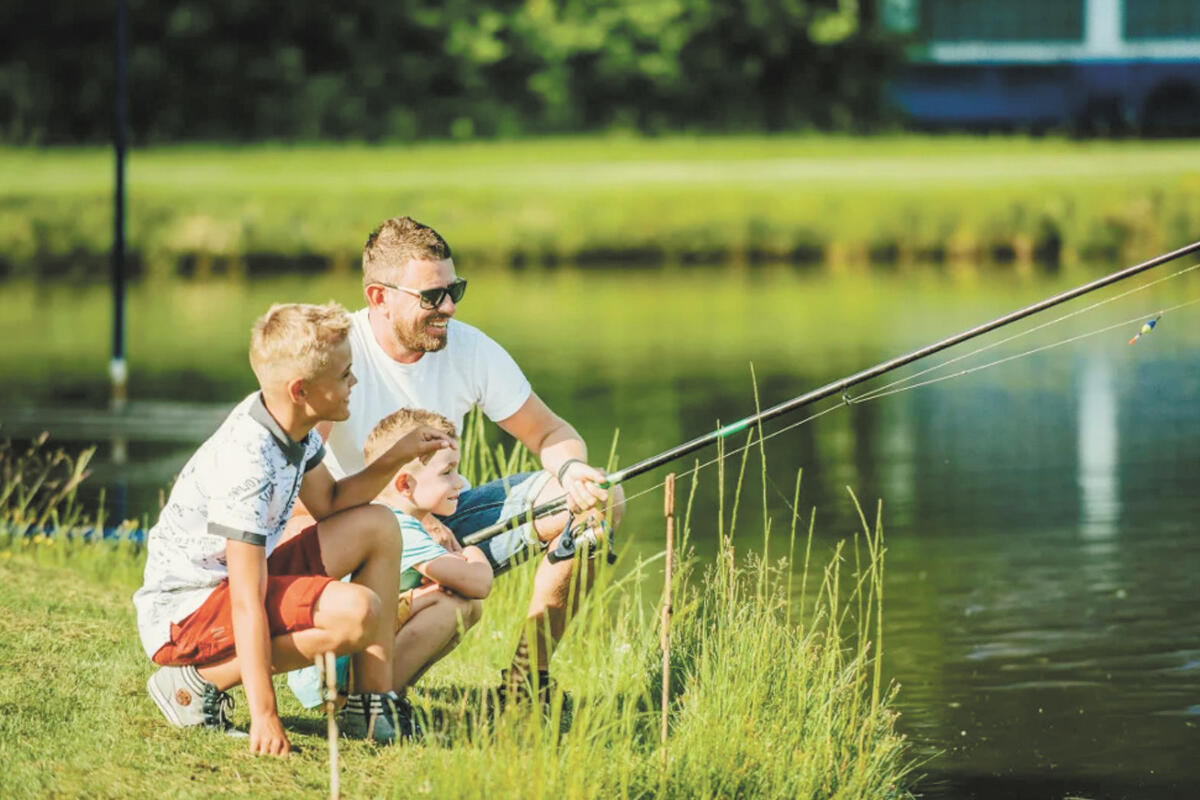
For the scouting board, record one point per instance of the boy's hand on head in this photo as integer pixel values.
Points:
(420, 441)
(267, 736)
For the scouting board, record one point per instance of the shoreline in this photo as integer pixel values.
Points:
(892, 202)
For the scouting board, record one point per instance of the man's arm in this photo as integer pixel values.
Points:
(561, 448)
(468, 573)
(247, 566)
(324, 497)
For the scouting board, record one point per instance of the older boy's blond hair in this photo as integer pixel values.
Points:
(396, 242)
(296, 340)
(393, 426)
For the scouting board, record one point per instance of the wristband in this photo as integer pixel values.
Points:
(562, 470)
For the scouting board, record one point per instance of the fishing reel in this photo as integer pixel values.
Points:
(588, 537)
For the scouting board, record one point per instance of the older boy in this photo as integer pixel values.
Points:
(220, 605)
(442, 591)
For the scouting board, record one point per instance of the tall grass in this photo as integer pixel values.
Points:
(775, 691)
(37, 487)
(42, 519)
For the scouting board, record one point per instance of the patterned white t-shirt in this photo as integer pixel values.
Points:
(241, 484)
(471, 370)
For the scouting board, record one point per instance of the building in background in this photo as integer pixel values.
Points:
(1093, 66)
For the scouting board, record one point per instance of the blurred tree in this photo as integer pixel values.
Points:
(249, 69)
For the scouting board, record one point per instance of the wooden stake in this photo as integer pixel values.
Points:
(669, 514)
(327, 668)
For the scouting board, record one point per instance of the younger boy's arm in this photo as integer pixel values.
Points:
(247, 567)
(323, 496)
(468, 573)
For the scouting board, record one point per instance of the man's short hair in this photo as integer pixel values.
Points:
(396, 242)
(395, 425)
(295, 340)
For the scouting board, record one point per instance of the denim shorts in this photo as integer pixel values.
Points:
(492, 502)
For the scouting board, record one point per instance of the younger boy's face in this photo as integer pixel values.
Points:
(328, 394)
(438, 483)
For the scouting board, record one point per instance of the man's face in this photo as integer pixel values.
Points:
(328, 393)
(421, 330)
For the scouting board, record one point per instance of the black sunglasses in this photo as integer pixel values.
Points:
(433, 298)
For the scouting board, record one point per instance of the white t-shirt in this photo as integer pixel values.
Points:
(241, 484)
(471, 370)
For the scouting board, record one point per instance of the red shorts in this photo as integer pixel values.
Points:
(296, 577)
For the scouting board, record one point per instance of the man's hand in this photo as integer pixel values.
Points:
(267, 736)
(582, 486)
(441, 534)
(418, 442)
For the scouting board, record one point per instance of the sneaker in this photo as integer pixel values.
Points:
(189, 701)
(374, 717)
(410, 723)
(514, 690)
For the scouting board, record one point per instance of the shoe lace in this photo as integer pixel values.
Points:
(217, 707)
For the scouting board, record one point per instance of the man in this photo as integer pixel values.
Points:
(410, 352)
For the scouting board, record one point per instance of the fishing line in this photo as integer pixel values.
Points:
(841, 386)
(881, 390)
(763, 439)
(897, 386)
(877, 394)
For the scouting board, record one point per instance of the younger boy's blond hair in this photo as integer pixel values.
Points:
(295, 340)
(395, 425)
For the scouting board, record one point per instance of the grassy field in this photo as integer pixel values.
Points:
(846, 200)
(767, 699)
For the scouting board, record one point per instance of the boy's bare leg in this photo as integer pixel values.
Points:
(430, 633)
(365, 542)
(296, 523)
(343, 616)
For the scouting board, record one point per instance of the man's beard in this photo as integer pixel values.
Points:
(416, 338)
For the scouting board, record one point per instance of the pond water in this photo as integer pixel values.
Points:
(1040, 619)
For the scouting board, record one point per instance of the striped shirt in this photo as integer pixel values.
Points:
(419, 547)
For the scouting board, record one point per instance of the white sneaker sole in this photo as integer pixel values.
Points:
(166, 704)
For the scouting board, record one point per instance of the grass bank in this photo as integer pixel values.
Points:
(794, 199)
(766, 700)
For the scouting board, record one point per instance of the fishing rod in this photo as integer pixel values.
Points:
(838, 387)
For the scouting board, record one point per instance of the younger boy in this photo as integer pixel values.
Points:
(442, 591)
(220, 604)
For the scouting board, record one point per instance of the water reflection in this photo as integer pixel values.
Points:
(1099, 483)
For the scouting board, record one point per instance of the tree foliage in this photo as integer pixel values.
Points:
(362, 69)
